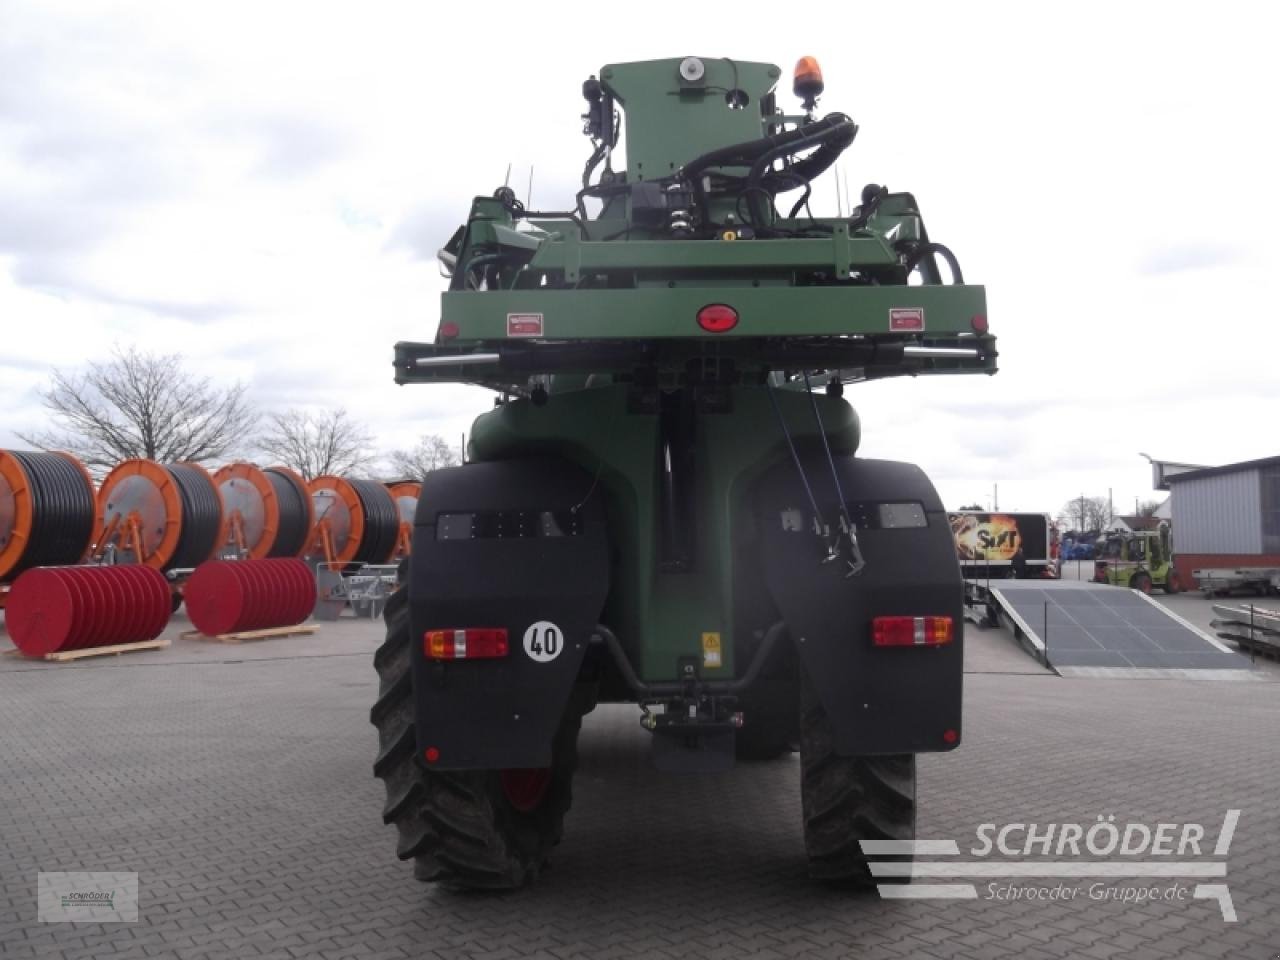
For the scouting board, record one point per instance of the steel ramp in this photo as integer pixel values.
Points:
(1087, 629)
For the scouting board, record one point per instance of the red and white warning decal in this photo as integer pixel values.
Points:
(524, 324)
(901, 318)
(543, 641)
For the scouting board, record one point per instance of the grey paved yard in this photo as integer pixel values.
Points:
(236, 781)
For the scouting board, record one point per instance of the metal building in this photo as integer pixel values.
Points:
(1226, 516)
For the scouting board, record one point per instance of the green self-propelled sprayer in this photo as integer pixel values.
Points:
(665, 506)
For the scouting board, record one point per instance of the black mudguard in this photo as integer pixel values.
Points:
(526, 556)
(879, 699)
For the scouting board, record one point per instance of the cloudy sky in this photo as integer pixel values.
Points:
(262, 187)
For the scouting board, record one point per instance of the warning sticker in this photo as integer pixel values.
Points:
(711, 649)
(524, 324)
(901, 318)
(543, 641)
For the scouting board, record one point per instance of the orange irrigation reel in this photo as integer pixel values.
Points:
(164, 516)
(356, 531)
(406, 497)
(47, 512)
(266, 513)
(356, 521)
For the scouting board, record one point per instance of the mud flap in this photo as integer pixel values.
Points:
(519, 545)
(880, 700)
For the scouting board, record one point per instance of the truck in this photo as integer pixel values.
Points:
(666, 507)
(992, 545)
(1140, 560)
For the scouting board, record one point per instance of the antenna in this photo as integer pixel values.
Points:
(839, 203)
(507, 181)
(528, 197)
(845, 174)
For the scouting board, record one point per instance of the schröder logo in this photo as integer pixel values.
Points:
(1104, 860)
(87, 897)
(1101, 839)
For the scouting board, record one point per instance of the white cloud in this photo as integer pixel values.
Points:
(261, 187)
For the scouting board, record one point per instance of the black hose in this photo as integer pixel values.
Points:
(294, 508)
(834, 134)
(62, 511)
(201, 516)
(930, 250)
(381, 522)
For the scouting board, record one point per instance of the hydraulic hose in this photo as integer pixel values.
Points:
(833, 133)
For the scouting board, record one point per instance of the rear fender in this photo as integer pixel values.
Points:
(500, 544)
(879, 699)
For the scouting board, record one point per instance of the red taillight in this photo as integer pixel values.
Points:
(448, 330)
(910, 631)
(473, 643)
(979, 323)
(717, 318)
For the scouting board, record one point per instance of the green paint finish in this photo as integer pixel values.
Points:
(837, 254)
(611, 325)
(661, 616)
(671, 121)
(672, 312)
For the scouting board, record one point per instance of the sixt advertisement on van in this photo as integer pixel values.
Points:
(994, 539)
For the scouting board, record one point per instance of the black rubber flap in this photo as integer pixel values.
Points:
(880, 699)
(522, 546)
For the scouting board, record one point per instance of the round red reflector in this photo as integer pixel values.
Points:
(432, 754)
(979, 323)
(448, 330)
(717, 318)
(950, 736)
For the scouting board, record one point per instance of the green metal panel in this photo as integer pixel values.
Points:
(664, 312)
(670, 122)
(660, 616)
(576, 258)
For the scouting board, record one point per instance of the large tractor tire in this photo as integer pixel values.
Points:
(850, 799)
(464, 829)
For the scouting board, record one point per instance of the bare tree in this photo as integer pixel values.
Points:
(139, 404)
(1148, 508)
(1086, 513)
(317, 444)
(431, 453)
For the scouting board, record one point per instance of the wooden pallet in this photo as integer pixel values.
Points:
(248, 636)
(114, 649)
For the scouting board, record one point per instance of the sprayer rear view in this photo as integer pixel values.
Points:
(665, 506)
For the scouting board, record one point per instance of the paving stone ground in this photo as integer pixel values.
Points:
(236, 781)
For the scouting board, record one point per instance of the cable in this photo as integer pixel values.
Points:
(795, 457)
(929, 249)
(846, 522)
(867, 209)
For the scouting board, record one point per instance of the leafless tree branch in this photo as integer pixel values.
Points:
(431, 453)
(317, 444)
(139, 404)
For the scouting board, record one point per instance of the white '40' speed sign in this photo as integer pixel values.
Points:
(543, 641)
